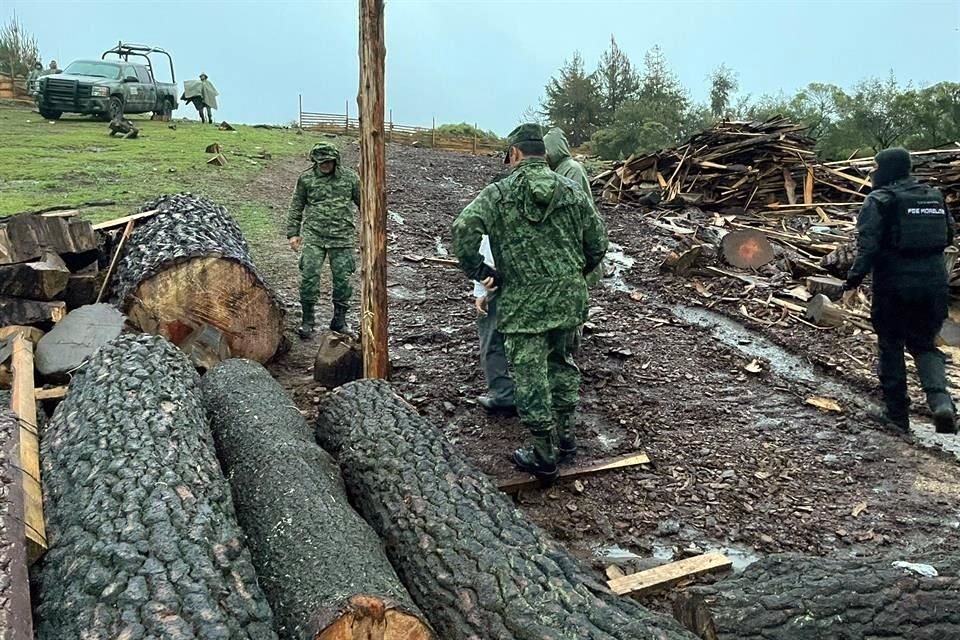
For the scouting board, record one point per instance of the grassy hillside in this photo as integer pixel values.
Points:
(74, 160)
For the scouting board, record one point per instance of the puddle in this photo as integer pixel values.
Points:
(790, 367)
(393, 216)
(740, 556)
(614, 553)
(616, 263)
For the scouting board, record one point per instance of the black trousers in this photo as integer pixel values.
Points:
(909, 319)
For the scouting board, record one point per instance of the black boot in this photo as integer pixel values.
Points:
(540, 459)
(944, 415)
(493, 407)
(306, 324)
(566, 437)
(339, 320)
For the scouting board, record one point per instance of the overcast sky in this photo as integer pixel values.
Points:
(486, 61)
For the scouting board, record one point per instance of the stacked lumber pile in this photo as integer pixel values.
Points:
(48, 263)
(733, 165)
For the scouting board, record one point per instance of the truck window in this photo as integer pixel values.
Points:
(143, 75)
(129, 71)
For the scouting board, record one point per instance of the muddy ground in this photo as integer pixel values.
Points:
(739, 461)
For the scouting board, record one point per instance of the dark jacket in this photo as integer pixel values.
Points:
(893, 270)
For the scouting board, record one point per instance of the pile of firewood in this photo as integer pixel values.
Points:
(731, 165)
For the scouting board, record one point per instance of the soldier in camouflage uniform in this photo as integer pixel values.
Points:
(545, 235)
(321, 225)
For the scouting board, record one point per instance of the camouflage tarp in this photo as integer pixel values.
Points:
(202, 89)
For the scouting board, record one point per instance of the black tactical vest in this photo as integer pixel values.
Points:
(918, 219)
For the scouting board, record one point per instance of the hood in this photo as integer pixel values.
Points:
(324, 151)
(539, 191)
(80, 78)
(558, 149)
(892, 165)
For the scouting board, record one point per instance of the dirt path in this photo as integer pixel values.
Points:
(740, 462)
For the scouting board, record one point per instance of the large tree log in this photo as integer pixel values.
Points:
(315, 557)
(805, 598)
(26, 237)
(15, 618)
(143, 537)
(475, 565)
(44, 279)
(190, 265)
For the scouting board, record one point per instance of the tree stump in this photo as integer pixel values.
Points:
(746, 249)
(785, 597)
(144, 538)
(324, 569)
(188, 266)
(339, 360)
(472, 562)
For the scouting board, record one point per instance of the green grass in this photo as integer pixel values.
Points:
(74, 160)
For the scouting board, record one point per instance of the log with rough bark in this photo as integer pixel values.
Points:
(472, 562)
(189, 265)
(44, 279)
(27, 237)
(144, 541)
(806, 598)
(15, 618)
(322, 567)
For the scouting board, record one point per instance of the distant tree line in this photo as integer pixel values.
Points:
(619, 109)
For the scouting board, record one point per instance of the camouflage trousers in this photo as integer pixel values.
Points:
(342, 266)
(545, 376)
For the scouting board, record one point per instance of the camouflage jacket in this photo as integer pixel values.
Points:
(558, 157)
(322, 209)
(545, 235)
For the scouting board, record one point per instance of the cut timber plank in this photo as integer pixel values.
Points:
(119, 222)
(52, 393)
(24, 404)
(44, 279)
(24, 238)
(522, 481)
(32, 334)
(20, 311)
(669, 574)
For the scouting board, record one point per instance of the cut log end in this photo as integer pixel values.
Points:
(339, 360)
(747, 249)
(210, 290)
(372, 618)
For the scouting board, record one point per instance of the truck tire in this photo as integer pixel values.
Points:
(47, 114)
(115, 108)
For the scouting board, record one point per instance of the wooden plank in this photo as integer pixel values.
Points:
(521, 481)
(24, 405)
(668, 575)
(119, 222)
(32, 334)
(128, 230)
(53, 393)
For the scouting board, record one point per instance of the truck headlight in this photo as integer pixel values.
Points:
(100, 92)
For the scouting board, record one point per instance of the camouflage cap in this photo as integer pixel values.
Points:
(527, 132)
(324, 151)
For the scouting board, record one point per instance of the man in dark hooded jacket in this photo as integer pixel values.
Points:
(902, 231)
(545, 237)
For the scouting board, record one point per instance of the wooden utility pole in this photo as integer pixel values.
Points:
(373, 207)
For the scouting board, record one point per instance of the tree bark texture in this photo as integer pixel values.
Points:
(313, 553)
(787, 597)
(189, 265)
(144, 542)
(15, 617)
(472, 562)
